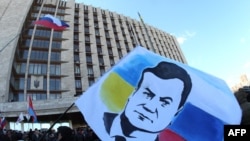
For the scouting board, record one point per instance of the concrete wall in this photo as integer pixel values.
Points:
(13, 14)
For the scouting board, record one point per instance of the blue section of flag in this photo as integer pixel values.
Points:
(194, 124)
(135, 65)
(32, 113)
(31, 110)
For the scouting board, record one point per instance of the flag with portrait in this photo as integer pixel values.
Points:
(208, 107)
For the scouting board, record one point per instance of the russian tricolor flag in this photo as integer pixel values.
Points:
(52, 22)
(194, 124)
(3, 122)
(31, 110)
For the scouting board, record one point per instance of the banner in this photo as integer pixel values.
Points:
(146, 97)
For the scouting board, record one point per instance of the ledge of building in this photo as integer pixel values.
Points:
(43, 107)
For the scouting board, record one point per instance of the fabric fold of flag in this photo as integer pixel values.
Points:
(3, 122)
(20, 118)
(31, 110)
(193, 123)
(27, 116)
(52, 22)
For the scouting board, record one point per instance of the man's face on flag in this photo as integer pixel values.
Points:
(154, 103)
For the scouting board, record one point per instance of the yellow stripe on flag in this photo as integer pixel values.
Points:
(115, 92)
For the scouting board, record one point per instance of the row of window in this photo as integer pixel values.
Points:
(39, 69)
(104, 17)
(36, 96)
(40, 55)
(35, 15)
(45, 33)
(42, 44)
(55, 84)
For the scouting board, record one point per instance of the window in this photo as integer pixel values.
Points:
(35, 69)
(87, 48)
(77, 69)
(55, 84)
(78, 84)
(101, 61)
(56, 44)
(19, 83)
(44, 69)
(37, 96)
(86, 16)
(87, 39)
(91, 82)
(55, 56)
(118, 44)
(18, 97)
(55, 69)
(105, 26)
(85, 7)
(23, 68)
(96, 24)
(102, 70)
(98, 40)
(89, 59)
(90, 70)
(86, 22)
(86, 29)
(54, 96)
(99, 50)
(110, 51)
(97, 32)
(76, 58)
(120, 54)
(112, 62)
(108, 43)
(107, 34)
(76, 37)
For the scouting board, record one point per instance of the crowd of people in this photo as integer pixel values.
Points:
(63, 133)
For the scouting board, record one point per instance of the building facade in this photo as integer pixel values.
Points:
(56, 67)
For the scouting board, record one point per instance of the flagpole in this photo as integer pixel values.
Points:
(133, 34)
(151, 44)
(56, 121)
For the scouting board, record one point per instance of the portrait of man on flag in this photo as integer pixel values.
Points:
(149, 97)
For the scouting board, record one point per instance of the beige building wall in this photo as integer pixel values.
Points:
(11, 23)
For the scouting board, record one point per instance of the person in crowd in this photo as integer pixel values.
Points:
(36, 135)
(65, 133)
